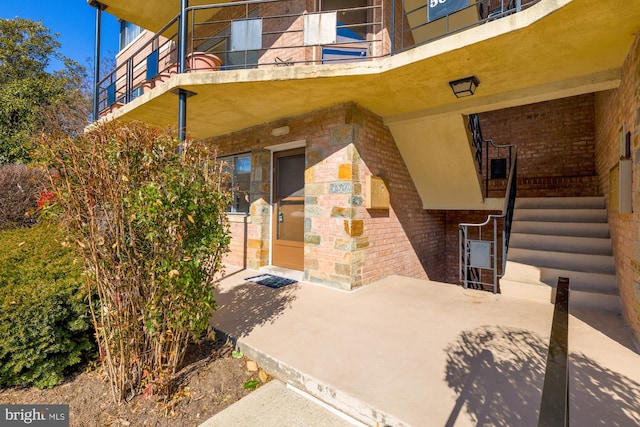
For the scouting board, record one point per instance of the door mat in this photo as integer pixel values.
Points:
(270, 280)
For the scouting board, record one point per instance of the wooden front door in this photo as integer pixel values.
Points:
(288, 209)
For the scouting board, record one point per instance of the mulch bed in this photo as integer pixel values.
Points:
(211, 380)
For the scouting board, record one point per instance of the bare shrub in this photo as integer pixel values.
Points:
(152, 226)
(20, 188)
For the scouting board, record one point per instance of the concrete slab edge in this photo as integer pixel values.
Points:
(337, 399)
(326, 406)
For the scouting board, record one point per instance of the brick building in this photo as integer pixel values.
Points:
(352, 155)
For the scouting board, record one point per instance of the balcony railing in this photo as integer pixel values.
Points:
(276, 33)
(427, 21)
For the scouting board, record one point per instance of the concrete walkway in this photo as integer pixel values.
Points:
(276, 405)
(408, 352)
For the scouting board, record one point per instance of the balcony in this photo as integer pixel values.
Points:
(550, 49)
(264, 34)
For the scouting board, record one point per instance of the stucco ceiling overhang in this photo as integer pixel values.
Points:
(554, 49)
(149, 14)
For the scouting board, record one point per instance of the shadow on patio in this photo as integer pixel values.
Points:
(498, 373)
(247, 305)
(401, 351)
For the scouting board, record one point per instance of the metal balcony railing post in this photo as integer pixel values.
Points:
(462, 273)
(128, 90)
(392, 26)
(495, 255)
(96, 59)
(182, 55)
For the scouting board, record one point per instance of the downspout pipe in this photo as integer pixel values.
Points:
(182, 59)
(96, 54)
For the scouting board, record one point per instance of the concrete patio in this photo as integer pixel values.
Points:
(408, 352)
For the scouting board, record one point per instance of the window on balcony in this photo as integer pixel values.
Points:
(352, 30)
(237, 169)
(220, 45)
(128, 33)
(352, 16)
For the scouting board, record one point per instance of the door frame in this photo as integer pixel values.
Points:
(276, 149)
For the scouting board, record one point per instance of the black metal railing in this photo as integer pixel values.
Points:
(248, 35)
(424, 22)
(476, 140)
(274, 33)
(554, 408)
(483, 246)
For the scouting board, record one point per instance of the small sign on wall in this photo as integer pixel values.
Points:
(377, 193)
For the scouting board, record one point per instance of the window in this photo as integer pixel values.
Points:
(352, 17)
(238, 177)
(220, 45)
(128, 33)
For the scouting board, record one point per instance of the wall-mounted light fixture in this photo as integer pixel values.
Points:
(464, 87)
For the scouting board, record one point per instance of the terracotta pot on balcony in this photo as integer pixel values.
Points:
(146, 86)
(202, 62)
(166, 74)
(110, 109)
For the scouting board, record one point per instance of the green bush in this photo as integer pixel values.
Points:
(45, 325)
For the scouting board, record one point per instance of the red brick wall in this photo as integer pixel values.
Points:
(406, 239)
(613, 109)
(238, 246)
(556, 145)
(453, 219)
(346, 245)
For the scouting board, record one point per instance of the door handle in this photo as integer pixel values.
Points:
(280, 217)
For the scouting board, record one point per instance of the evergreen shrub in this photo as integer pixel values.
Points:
(45, 322)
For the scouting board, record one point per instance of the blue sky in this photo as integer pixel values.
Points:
(73, 21)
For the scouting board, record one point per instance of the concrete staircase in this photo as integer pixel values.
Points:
(562, 236)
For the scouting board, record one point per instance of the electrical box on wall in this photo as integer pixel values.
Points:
(377, 196)
(620, 181)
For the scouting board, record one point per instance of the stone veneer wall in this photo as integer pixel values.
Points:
(615, 108)
(346, 245)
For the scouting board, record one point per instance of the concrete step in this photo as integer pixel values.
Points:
(561, 215)
(562, 237)
(587, 263)
(560, 203)
(277, 404)
(578, 245)
(577, 297)
(579, 280)
(595, 300)
(577, 229)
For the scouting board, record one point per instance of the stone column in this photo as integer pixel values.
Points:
(258, 230)
(334, 235)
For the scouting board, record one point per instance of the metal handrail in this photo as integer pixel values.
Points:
(554, 407)
(208, 27)
(124, 76)
(466, 268)
(487, 11)
(476, 139)
(129, 79)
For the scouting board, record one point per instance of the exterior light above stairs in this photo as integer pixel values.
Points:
(464, 87)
